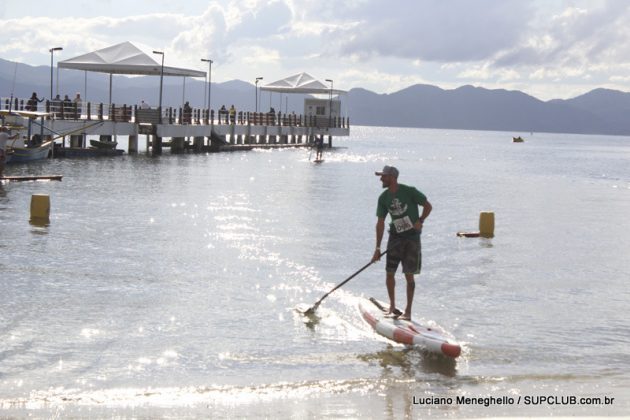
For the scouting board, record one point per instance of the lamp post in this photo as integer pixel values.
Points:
(256, 89)
(52, 50)
(206, 60)
(161, 81)
(330, 102)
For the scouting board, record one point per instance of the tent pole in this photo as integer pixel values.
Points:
(110, 90)
(184, 93)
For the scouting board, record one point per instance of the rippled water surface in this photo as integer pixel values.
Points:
(166, 287)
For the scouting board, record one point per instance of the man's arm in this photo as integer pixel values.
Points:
(426, 210)
(380, 229)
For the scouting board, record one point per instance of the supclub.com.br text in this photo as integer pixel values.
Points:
(518, 400)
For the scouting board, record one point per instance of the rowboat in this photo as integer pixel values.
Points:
(103, 144)
(29, 154)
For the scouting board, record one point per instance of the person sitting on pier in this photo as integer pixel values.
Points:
(144, 105)
(31, 105)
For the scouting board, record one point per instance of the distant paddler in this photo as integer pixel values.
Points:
(319, 146)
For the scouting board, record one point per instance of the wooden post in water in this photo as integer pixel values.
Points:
(177, 145)
(198, 143)
(133, 144)
(156, 147)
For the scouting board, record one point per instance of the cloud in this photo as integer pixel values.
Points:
(374, 44)
(434, 30)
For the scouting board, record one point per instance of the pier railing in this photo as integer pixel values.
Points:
(68, 110)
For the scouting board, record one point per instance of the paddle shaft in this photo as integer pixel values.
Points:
(344, 282)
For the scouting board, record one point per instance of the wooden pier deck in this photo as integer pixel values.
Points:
(196, 130)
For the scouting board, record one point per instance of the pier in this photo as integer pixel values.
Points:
(180, 129)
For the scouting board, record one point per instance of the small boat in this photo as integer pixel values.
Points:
(103, 144)
(518, 139)
(29, 154)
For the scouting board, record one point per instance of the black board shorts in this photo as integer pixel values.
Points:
(406, 250)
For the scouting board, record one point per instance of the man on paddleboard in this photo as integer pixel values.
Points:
(403, 246)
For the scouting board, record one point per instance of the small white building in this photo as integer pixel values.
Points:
(322, 107)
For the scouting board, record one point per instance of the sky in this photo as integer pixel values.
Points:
(550, 49)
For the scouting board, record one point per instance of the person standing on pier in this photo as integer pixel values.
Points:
(67, 106)
(77, 105)
(403, 246)
(31, 104)
(223, 112)
(232, 112)
(187, 113)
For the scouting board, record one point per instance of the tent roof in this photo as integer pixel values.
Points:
(299, 83)
(124, 58)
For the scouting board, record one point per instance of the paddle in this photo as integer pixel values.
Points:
(313, 308)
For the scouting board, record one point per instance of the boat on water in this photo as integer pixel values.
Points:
(518, 139)
(103, 144)
(31, 147)
(29, 153)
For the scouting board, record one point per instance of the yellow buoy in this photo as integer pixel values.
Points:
(40, 208)
(486, 224)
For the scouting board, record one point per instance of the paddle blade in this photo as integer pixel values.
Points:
(304, 309)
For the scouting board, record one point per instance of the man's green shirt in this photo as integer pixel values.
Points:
(402, 207)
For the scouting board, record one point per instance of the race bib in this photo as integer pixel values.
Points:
(403, 224)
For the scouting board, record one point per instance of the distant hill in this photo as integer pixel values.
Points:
(601, 111)
(475, 108)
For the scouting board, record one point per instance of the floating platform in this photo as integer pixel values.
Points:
(72, 152)
(32, 178)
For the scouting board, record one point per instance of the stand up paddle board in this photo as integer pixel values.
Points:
(407, 332)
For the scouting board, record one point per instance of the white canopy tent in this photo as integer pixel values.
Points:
(124, 58)
(302, 83)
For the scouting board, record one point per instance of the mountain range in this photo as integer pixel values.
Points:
(600, 111)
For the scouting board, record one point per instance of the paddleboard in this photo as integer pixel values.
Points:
(318, 160)
(407, 332)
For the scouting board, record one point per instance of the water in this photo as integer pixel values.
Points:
(165, 287)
